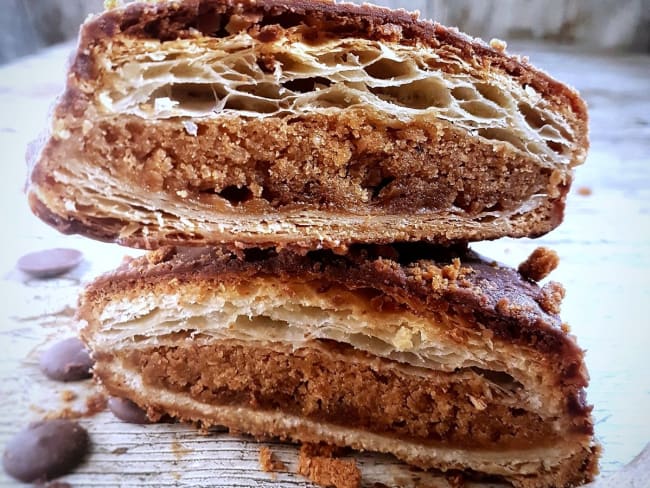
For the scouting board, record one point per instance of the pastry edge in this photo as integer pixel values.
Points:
(301, 239)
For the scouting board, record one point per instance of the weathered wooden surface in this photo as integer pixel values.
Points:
(604, 244)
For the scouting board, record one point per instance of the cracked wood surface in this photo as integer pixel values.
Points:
(604, 245)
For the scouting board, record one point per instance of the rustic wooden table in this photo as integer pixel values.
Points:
(604, 245)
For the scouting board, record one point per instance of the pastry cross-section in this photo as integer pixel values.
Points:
(437, 356)
(301, 124)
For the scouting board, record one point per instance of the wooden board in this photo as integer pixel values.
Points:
(604, 245)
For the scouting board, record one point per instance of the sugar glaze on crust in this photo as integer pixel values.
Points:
(304, 124)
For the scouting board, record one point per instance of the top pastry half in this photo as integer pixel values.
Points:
(298, 123)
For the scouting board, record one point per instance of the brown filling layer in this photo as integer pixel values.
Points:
(360, 164)
(334, 383)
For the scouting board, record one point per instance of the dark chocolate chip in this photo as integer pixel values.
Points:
(54, 484)
(67, 360)
(45, 450)
(50, 262)
(127, 411)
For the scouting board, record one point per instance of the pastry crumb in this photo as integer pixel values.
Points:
(94, 404)
(451, 271)
(551, 298)
(191, 128)
(456, 480)
(68, 395)
(269, 463)
(585, 191)
(317, 464)
(160, 255)
(478, 403)
(498, 45)
(63, 413)
(539, 264)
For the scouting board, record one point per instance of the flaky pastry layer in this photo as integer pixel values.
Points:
(253, 120)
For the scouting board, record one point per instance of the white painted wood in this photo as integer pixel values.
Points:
(604, 244)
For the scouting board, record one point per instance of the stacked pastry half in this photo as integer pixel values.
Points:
(308, 175)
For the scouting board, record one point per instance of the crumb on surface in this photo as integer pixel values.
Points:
(95, 403)
(63, 413)
(179, 450)
(539, 264)
(268, 461)
(585, 191)
(68, 395)
(317, 464)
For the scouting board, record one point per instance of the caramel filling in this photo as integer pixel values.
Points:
(332, 383)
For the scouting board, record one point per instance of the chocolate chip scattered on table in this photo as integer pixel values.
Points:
(49, 263)
(127, 411)
(45, 450)
(67, 360)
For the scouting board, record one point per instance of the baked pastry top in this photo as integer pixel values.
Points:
(301, 123)
(461, 360)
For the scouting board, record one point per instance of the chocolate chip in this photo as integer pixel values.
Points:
(50, 262)
(128, 411)
(45, 450)
(54, 484)
(67, 360)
